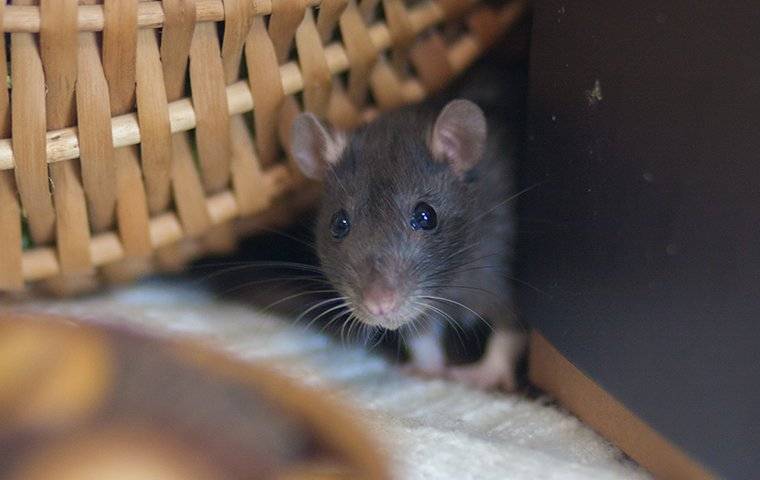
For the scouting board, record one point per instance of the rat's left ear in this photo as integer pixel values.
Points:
(314, 146)
(459, 135)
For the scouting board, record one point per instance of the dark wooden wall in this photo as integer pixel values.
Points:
(642, 238)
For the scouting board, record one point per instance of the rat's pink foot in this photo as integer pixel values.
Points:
(485, 376)
(423, 371)
(496, 370)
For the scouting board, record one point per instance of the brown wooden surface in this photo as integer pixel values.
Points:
(553, 373)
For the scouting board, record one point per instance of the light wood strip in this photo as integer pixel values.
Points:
(11, 277)
(95, 141)
(153, 116)
(329, 12)
(247, 176)
(361, 53)
(119, 62)
(317, 78)
(188, 189)
(119, 53)
(341, 112)
(238, 18)
(267, 88)
(132, 207)
(368, 9)
(430, 60)
(212, 130)
(402, 32)
(28, 129)
(283, 22)
(58, 49)
(247, 179)
(387, 88)
(176, 36)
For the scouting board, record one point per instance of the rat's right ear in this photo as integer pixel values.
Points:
(313, 147)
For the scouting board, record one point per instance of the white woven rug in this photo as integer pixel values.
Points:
(430, 429)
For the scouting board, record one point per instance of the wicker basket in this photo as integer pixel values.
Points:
(127, 129)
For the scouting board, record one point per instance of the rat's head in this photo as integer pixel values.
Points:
(397, 213)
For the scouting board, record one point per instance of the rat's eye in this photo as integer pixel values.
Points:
(423, 217)
(339, 224)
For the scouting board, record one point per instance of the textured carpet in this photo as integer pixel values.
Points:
(429, 428)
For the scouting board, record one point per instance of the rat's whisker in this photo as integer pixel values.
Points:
(379, 340)
(244, 285)
(297, 295)
(317, 305)
(343, 308)
(283, 234)
(464, 287)
(454, 302)
(249, 265)
(509, 199)
(339, 315)
(446, 318)
(331, 309)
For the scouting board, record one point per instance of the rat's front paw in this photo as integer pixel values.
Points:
(424, 371)
(497, 368)
(485, 376)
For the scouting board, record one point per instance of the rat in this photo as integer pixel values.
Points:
(416, 227)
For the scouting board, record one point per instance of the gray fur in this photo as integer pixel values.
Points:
(384, 171)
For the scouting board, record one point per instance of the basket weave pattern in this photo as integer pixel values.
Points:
(134, 134)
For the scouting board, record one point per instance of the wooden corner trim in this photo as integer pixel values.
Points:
(553, 373)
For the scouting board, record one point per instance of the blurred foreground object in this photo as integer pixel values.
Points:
(80, 401)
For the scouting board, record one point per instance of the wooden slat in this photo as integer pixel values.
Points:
(361, 53)
(189, 196)
(402, 32)
(317, 79)
(58, 48)
(132, 207)
(120, 69)
(368, 9)
(387, 89)
(96, 141)
(119, 52)
(430, 60)
(247, 177)
(266, 89)
(176, 37)
(28, 128)
(238, 16)
(212, 131)
(11, 276)
(188, 189)
(155, 130)
(329, 12)
(285, 18)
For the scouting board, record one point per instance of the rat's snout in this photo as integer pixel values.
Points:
(380, 299)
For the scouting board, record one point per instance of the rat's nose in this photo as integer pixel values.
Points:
(380, 299)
